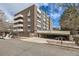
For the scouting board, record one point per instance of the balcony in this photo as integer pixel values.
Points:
(18, 30)
(38, 10)
(44, 27)
(39, 26)
(44, 20)
(38, 15)
(18, 16)
(18, 25)
(19, 20)
(38, 20)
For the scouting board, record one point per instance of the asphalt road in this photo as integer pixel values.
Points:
(23, 48)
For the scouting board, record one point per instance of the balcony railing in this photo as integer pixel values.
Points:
(18, 16)
(19, 20)
(18, 25)
(38, 20)
(18, 30)
(38, 10)
(39, 26)
(38, 15)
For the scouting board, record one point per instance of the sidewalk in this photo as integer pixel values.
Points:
(34, 39)
(69, 44)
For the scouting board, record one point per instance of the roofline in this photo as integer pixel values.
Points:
(31, 6)
(54, 32)
(24, 9)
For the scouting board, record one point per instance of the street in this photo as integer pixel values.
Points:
(23, 48)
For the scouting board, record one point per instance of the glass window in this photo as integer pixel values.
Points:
(28, 19)
(28, 14)
(28, 25)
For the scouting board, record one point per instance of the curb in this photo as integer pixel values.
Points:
(64, 45)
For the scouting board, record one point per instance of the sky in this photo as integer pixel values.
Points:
(53, 10)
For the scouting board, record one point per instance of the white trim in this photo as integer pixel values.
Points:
(17, 30)
(19, 20)
(38, 15)
(39, 26)
(18, 25)
(38, 20)
(38, 10)
(18, 16)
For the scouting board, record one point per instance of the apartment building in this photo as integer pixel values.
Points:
(30, 20)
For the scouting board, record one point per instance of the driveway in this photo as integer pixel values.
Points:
(24, 48)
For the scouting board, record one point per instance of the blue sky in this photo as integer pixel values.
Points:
(52, 10)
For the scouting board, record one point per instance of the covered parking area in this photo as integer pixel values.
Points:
(58, 35)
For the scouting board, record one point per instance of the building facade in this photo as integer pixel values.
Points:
(30, 20)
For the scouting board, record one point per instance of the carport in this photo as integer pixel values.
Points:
(54, 34)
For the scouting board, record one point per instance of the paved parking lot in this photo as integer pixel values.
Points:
(23, 48)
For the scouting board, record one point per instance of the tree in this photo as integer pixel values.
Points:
(4, 26)
(69, 19)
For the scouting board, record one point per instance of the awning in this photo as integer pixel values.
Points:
(54, 32)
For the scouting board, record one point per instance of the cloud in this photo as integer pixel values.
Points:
(45, 4)
(9, 17)
(55, 15)
(12, 8)
(54, 11)
(51, 8)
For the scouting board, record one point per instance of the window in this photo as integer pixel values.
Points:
(29, 28)
(38, 20)
(28, 14)
(28, 25)
(38, 24)
(28, 19)
(78, 32)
